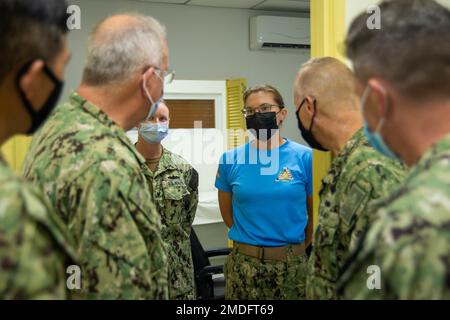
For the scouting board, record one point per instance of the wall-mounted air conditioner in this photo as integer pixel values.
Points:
(268, 32)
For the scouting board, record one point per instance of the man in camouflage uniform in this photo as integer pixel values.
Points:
(358, 174)
(34, 248)
(174, 187)
(93, 174)
(405, 67)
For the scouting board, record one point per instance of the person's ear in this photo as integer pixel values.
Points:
(309, 105)
(148, 74)
(381, 97)
(283, 114)
(31, 82)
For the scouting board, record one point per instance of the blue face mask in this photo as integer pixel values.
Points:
(375, 139)
(154, 133)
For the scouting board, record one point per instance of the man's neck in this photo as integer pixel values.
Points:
(149, 151)
(341, 133)
(109, 102)
(417, 142)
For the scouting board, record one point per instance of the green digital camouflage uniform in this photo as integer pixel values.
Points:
(410, 239)
(249, 278)
(94, 177)
(174, 187)
(357, 177)
(34, 248)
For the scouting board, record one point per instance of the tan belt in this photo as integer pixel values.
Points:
(269, 253)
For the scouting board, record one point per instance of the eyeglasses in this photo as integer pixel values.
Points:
(168, 76)
(264, 108)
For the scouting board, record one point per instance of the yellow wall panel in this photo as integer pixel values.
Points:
(14, 151)
(235, 118)
(9, 152)
(22, 145)
(327, 39)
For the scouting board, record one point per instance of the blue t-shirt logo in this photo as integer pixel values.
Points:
(285, 176)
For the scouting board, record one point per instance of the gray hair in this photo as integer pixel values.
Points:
(411, 51)
(115, 54)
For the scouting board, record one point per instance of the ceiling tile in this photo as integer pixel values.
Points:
(296, 5)
(243, 4)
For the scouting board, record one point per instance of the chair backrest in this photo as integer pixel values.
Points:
(199, 257)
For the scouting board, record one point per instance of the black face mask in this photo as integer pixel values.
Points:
(39, 117)
(263, 125)
(307, 134)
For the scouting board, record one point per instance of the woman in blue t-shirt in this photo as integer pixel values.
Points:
(265, 197)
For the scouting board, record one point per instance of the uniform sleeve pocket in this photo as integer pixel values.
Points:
(354, 204)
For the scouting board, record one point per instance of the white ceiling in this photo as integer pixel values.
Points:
(282, 5)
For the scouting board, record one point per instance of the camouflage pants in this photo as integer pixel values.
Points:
(181, 270)
(249, 278)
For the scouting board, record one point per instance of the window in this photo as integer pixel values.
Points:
(183, 113)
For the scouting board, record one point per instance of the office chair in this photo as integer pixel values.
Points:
(208, 287)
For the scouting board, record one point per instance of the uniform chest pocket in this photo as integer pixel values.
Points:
(174, 189)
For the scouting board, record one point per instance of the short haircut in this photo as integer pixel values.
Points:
(411, 51)
(30, 30)
(114, 55)
(268, 89)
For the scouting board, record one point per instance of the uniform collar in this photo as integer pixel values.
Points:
(103, 118)
(439, 151)
(166, 163)
(358, 139)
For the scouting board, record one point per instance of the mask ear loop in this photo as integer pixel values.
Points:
(154, 106)
(365, 96)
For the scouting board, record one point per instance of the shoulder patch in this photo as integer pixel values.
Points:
(354, 203)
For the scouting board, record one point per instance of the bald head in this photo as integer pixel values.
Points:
(328, 80)
(328, 106)
(122, 45)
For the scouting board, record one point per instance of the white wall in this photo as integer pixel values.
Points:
(205, 44)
